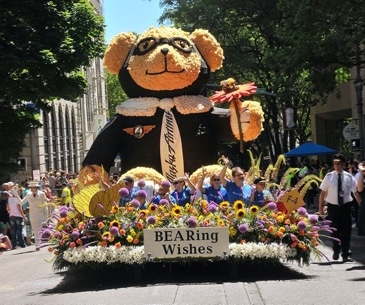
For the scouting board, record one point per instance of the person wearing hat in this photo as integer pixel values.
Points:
(183, 190)
(129, 185)
(336, 190)
(163, 192)
(37, 211)
(258, 194)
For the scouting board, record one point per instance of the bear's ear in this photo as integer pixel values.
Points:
(117, 51)
(209, 48)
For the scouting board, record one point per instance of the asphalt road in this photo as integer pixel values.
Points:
(27, 277)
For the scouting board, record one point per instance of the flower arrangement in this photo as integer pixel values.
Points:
(117, 236)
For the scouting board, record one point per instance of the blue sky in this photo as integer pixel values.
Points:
(130, 16)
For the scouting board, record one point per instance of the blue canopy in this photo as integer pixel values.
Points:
(310, 149)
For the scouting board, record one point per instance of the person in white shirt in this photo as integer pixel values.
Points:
(37, 211)
(17, 219)
(336, 189)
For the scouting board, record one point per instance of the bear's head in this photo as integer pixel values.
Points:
(163, 62)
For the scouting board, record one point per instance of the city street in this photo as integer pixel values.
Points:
(27, 277)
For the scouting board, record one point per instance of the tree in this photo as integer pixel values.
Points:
(43, 45)
(292, 48)
(116, 95)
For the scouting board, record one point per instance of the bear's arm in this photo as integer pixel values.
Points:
(221, 122)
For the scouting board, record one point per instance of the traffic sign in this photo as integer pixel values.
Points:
(351, 131)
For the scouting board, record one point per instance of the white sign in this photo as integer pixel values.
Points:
(185, 242)
(351, 132)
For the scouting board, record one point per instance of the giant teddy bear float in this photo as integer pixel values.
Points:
(167, 124)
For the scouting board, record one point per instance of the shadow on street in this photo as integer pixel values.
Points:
(172, 273)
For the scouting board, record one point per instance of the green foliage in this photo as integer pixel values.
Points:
(290, 47)
(43, 45)
(116, 95)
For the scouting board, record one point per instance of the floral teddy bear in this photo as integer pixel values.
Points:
(166, 123)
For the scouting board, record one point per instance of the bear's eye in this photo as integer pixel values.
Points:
(146, 45)
(182, 44)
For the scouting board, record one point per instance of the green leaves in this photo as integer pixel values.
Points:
(43, 46)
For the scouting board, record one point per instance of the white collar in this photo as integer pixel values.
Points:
(146, 106)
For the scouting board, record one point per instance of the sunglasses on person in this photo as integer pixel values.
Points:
(217, 179)
(176, 182)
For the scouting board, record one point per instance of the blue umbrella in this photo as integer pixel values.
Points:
(310, 149)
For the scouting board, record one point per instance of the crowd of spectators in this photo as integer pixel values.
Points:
(15, 210)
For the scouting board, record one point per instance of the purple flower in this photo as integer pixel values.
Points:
(151, 220)
(313, 219)
(164, 201)
(123, 192)
(212, 208)
(141, 193)
(114, 230)
(165, 184)
(75, 234)
(63, 211)
(243, 228)
(192, 222)
(141, 183)
(46, 233)
(135, 203)
(301, 225)
(302, 211)
(271, 206)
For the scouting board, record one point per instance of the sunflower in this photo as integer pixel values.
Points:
(254, 209)
(107, 236)
(240, 213)
(238, 205)
(152, 208)
(177, 210)
(114, 223)
(224, 205)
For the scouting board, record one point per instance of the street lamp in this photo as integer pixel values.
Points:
(359, 83)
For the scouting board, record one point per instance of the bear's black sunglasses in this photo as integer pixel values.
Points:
(149, 43)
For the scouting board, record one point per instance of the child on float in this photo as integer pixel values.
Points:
(259, 195)
(183, 193)
(214, 191)
(141, 196)
(163, 192)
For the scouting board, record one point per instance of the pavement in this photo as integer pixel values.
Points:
(27, 278)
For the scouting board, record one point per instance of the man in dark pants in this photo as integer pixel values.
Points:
(336, 189)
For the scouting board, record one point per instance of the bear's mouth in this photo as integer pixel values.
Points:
(165, 70)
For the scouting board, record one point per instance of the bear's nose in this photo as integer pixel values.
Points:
(164, 51)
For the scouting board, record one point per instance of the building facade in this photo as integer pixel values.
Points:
(343, 107)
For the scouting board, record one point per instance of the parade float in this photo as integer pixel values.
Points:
(164, 129)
